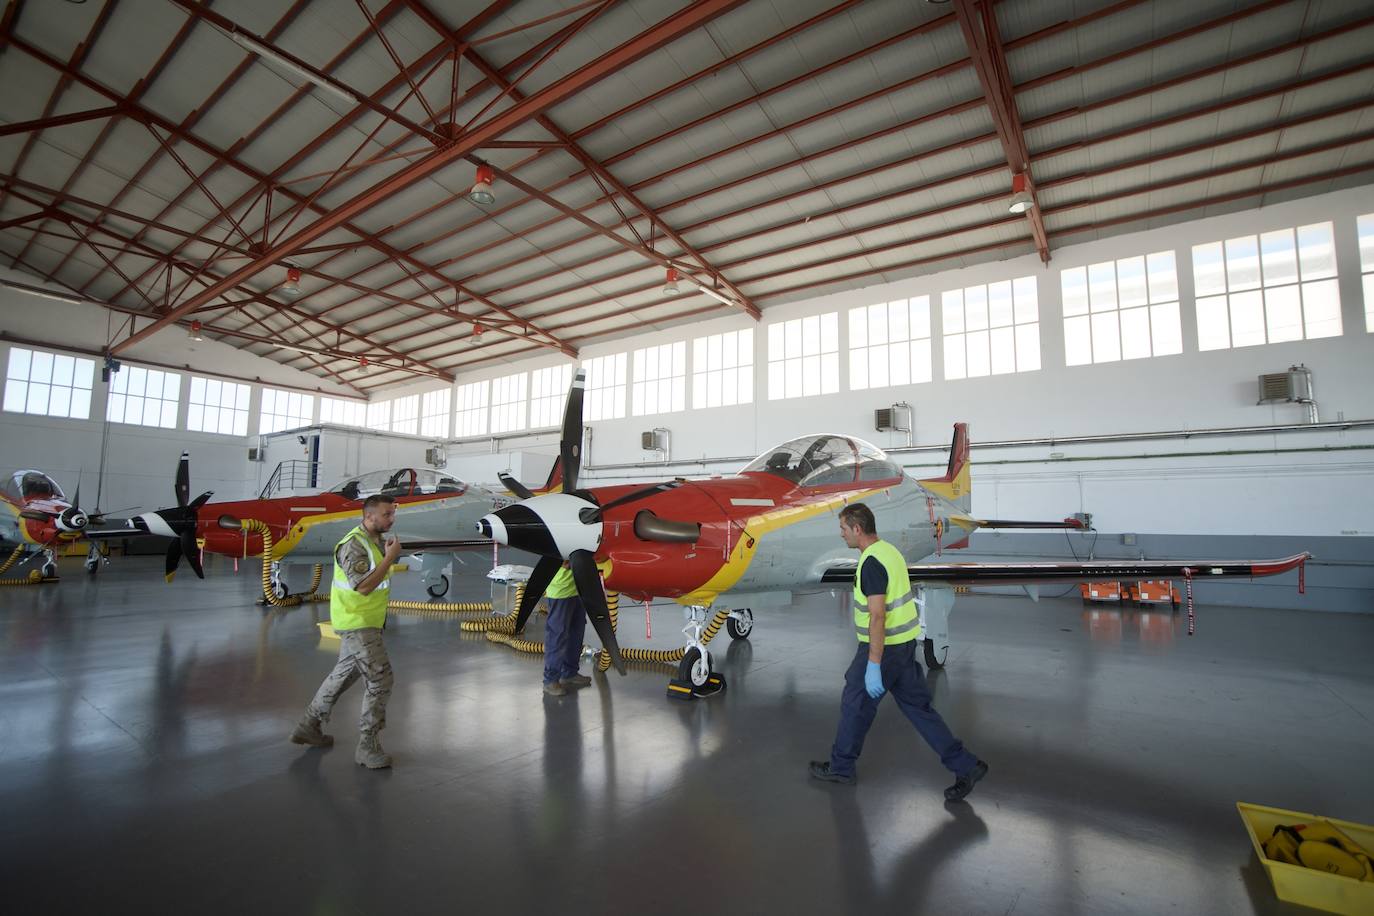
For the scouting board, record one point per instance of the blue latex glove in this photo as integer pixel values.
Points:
(873, 680)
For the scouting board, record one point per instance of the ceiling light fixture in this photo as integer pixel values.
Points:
(253, 46)
(195, 333)
(41, 292)
(362, 364)
(717, 296)
(670, 288)
(1021, 199)
(291, 286)
(481, 187)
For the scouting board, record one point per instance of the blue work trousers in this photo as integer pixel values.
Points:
(563, 638)
(906, 682)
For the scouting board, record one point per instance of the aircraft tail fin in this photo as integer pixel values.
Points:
(555, 482)
(957, 484)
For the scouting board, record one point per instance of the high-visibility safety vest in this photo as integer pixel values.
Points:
(562, 585)
(902, 622)
(350, 609)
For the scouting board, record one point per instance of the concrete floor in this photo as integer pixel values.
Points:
(144, 762)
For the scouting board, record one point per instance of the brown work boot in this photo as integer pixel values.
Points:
(555, 689)
(370, 754)
(308, 731)
(576, 681)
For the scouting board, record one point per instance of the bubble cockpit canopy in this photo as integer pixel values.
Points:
(401, 482)
(822, 460)
(32, 485)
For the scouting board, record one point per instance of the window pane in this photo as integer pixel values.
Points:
(1283, 313)
(1368, 305)
(920, 317)
(954, 357)
(999, 304)
(17, 393)
(1365, 227)
(1003, 344)
(920, 361)
(81, 403)
(1280, 257)
(1163, 277)
(62, 367)
(1130, 280)
(1027, 298)
(20, 361)
(1321, 305)
(1028, 347)
(978, 361)
(38, 398)
(1247, 319)
(1213, 324)
(877, 366)
(898, 328)
(877, 324)
(41, 368)
(1209, 269)
(60, 401)
(1316, 252)
(1074, 285)
(1135, 333)
(976, 308)
(1242, 263)
(899, 363)
(1106, 338)
(1078, 343)
(1102, 287)
(1165, 329)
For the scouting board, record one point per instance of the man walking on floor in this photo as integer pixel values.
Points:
(887, 623)
(357, 610)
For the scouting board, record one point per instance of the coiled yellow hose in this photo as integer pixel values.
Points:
(252, 524)
(33, 578)
(663, 656)
(491, 624)
(505, 635)
(435, 609)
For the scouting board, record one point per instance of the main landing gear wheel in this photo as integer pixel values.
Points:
(438, 589)
(695, 668)
(739, 627)
(49, 570)
(92, 566)
(935, 660)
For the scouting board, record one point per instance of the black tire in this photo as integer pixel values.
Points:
(92, 566)
(280, 590)
(740, 629)
(691, 670)
(438, 589)
(932, 661)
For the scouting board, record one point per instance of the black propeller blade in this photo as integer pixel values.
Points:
(183, 484)
(570, 448)
(173, 559)
(543, 574)
(589, 589)
(594, 515)
(515, 486)
(35, 515)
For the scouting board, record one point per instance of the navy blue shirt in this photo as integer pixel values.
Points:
(873, 577)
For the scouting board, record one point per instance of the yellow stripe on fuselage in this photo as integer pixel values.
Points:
(754, 530)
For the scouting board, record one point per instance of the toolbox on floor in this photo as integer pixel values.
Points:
(1309, 886)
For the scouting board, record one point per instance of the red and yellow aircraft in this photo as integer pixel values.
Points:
(432, 510)
(772, 528)
(40, 519)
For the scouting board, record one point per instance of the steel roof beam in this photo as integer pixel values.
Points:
(978, 22)
(653, 38)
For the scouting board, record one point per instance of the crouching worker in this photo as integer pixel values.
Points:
(357, 611)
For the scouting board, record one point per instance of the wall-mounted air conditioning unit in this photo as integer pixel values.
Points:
(436, 456)
(1293, 386)
(894, 419)
(654, 440)
(257, 454)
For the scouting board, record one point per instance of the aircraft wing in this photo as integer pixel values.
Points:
(1038, 573)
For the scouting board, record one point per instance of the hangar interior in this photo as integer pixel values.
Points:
(1129, 244)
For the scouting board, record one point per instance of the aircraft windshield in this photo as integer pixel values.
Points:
(402, 482)
(816, 461)
(34, 485)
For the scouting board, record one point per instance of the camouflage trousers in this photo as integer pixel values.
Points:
(361, 654)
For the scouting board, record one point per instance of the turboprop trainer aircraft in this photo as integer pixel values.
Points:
(432, 511)
(772, 528)
(39, 518)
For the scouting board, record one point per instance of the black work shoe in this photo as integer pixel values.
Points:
(820, 769)
(964, 784)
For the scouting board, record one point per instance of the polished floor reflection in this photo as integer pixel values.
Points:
(144, 763)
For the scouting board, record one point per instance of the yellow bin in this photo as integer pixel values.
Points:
(1308, 886)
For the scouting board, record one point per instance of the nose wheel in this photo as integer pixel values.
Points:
(49, 569)
(740, 623)
(694, 676)
(438, 588)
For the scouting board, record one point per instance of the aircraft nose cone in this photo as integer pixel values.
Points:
(491, 527)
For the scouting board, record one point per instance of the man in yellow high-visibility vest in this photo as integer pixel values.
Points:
(563, 632)
(887, 623)
(357, 610)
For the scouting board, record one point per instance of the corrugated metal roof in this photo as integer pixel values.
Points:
(799, 148)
